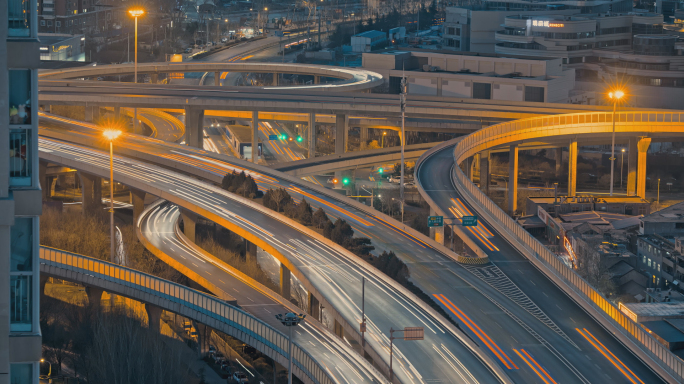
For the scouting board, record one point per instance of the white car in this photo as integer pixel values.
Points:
(240, 377)
(394, 179)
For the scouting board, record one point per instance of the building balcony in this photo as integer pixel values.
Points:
(503, 36)
(668, 261)
(667, 276)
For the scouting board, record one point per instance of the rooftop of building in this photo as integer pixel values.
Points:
(592, 217)
(414, 51)
(673, 213)
(54, 38)
(371, 34)
(665, 330)
(667, 309)
(595, 199)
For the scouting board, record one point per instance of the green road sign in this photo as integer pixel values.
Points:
(469, 221)
(435, 221)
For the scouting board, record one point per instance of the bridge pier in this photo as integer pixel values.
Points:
(275, 79)
(317, 79)
(46, 182)
(314, 307)
(436, 233)
(285, 282)
(632, 167)
(363, 135)
(642, 146)
(92, 114)
(339, 329)
(485, 174)
(138, 201)
(194, 127)
(189, 223)
(91, 191)
(203, 338)
(558, 154)
(341, 136)
(154, 78)
(572, 168)
(513, 179)
(94, 295)
(312, 135)
(250, 252)
(474, 168)
(153, 317)
(255, 137)
(117, 113)
(217, 79)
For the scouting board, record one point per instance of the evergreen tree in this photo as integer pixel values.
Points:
(319, 218)
(342, 232)
(304, 213)
(392, 266)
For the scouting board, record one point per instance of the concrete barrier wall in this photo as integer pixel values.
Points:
(634, 337)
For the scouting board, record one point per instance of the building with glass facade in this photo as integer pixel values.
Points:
(20, 195)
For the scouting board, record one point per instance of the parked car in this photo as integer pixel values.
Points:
(240, 377)
(188, 50)
(218, 356)
(212, 349)
(225, 367)
(394, 179)
(224, 39)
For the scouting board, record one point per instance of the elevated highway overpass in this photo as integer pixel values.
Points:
(472, 297)
(303, 254)
(526, 261)
(312, 363)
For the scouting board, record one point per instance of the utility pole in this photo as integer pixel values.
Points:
(403, 143)
(363, 307)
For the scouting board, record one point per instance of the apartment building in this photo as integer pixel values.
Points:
(20, 194)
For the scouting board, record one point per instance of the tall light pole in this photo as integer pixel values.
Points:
(402, 143)
(383, 139)
(622, 164)
(615, 97)
(111, 135)
(290, 320)
(135, 13)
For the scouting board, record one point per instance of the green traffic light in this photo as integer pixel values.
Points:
(380, 170)
(283, 136)
(345, 181)
(299, 139)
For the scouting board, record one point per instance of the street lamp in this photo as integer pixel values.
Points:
(111, 135)
(622, 164)
(49, 369)
(383, 139)
(290, 320)
(615, 96)
(402, 143)
(135, 13)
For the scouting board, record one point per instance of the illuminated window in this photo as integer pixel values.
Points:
(649, 262)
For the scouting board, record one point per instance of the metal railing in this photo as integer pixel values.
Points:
(238, 323)
(590, 299)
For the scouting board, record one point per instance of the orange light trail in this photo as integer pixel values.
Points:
(531, 366)
(593, 340)
(477, 331)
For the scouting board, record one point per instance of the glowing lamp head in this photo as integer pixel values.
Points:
(335, 181)
(136, 12)
(380, 170)
(111, 134)
(345, 181)
(617, 95)
(623, 149)
(42, 360)
(384, 133)
(299, 139)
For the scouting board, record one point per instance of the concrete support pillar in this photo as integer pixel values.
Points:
(138, 201)
(194, 127)
(154, 78)
(513, 180)
(339, 329)
(250, 251)
(47, 108)
(642, 146)
(90, 114)
(43, 283)
(474, 169)
(312, 135)
(189, 223)
(94, 295)
(341, 133)
(284, 282)
(317, 79)
(572, 168)
(632, 167)
(275, 79)
(117, 113)
(203, 338)
(91, 189)
(217, 78)
(485, 174)
(153, 317)
(44, 180)
(255, 137)
(559, 161)
(363, 134)
(314, 307)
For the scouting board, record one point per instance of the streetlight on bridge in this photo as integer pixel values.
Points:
(615, 96)
(135, 13)
(290, 320)
(111, 135)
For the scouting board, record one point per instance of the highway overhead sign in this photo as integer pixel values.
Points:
(469, 221)
(273, 137)
(435, 221)
(413, 333)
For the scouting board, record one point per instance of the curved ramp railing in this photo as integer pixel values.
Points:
(204, 308)
(638, 340)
